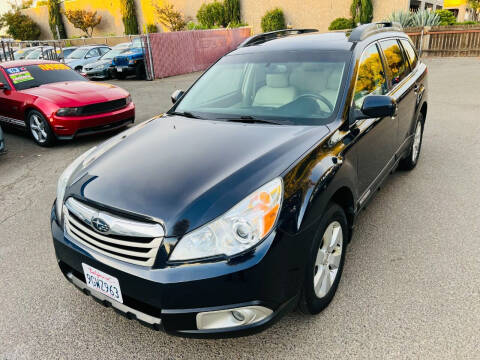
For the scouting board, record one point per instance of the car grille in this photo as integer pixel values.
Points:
(120, 61)
(104, 107)
(126, 240)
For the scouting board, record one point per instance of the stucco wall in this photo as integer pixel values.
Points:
(299, 13)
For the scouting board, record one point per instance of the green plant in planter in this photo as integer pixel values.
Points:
(341, 24)
(212, 14)
(446, 17)
(273, 20)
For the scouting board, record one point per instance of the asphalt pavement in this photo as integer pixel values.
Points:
(410, 288)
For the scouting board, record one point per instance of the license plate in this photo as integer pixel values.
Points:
(119, 69)
(102, 282)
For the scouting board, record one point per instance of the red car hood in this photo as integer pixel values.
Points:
(77, 93)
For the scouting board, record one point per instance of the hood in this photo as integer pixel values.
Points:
(186, 172)
(77, 93)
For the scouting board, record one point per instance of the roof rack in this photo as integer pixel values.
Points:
(264, 37)
(363, 31)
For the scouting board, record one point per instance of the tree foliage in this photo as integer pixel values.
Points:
(84, 20)
(19, 26)
(273, 20)
(361, 11)
(232, 11)
(55, 19)
(129, 17)
(212, 15)
(168, 16)
(475, 6)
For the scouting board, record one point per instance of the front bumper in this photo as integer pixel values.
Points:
(70, 127)
(170, 297)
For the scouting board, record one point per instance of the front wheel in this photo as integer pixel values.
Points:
(325, 263)
(39, 129)
(411, 160)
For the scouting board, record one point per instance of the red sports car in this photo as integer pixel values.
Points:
(51, 101)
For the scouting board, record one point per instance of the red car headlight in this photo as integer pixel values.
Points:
(74, 111)
(129, 99)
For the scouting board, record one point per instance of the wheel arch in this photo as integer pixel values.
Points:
(345, 198)
(423, 110)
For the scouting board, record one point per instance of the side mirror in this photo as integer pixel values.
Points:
(378, 106)
(177, 94)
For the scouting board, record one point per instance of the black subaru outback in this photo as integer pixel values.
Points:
(238, 203)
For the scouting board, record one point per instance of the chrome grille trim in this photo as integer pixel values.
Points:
(142, 252)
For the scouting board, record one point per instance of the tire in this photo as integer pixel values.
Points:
(410, 161)
(78, 68)
(321, 269)
(39, 129)
(140, 71)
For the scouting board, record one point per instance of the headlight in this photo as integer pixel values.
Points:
(65, 177)
(131, 61)
(73, 111)
(100, 67)
(128, 99)
(239, 229)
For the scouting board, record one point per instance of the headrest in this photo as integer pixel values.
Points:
(313, 67)
(277, 80)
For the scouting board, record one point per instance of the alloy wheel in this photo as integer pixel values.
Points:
(37, 128)
(328, 259)
(417, 140)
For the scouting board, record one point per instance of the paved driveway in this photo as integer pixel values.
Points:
(410, 289)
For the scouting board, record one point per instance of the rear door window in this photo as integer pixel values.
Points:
(92, 53)
(397, 65)
(411, 53)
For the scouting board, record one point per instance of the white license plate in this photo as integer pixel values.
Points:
(103, 283)
(119, 69)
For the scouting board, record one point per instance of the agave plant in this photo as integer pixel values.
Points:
(402, 17)
(424, 18)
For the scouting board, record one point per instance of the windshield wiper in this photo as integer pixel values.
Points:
(250, 120)
(185, 114)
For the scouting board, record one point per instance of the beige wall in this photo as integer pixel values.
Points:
(299, 13)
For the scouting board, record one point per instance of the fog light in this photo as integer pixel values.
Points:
(231, 318)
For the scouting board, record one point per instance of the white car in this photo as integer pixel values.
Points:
(85, 55)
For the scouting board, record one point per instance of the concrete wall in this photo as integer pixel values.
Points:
(299, 13)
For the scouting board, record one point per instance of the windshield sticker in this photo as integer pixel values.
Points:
(49, 67)
(15, 70)
(21, 77)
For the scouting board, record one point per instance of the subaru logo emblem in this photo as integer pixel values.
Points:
(100, 225)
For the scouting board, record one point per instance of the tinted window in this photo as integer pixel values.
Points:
(92, 53)
(68, 52)
(396, 63)
(104, 50)
(371, 76)
(137, 43)
(26, 77)
(411, 54)
(295, 87)
(78, 53)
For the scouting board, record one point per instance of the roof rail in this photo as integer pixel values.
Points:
(363, 31)
(264, 37)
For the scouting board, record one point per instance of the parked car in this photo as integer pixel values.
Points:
(2, 142)
(238, 204)
(130, 62)
(102, 69)
(22, 53)
(42, 52)
(51, 101)
(85, 55)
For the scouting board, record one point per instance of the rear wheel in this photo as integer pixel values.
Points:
(40, 129)
(325, 263)
(409, 162)
(120, 75)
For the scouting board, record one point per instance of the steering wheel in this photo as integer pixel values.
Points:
(318, 97)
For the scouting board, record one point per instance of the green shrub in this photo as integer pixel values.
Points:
(152, 28)
(236, 25)
(446, 17)
(232, 11)
(194, 26)
(273, 20)
(424, 18)
(42, 3)
(467, 23)
(129, 17)
(212, 14)
(341, 24)
(55, 19)
(402, 17)
(19, 26)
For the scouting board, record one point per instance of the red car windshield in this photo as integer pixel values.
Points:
(26, 77)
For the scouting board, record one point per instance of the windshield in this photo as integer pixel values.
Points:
(112, 53)
(137, 43)
(34, 54)
(67, 52)
(78, 53)
(292, 87)
(26, 77)
(22, 53)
